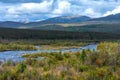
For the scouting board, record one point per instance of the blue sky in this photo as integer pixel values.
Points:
(36, 10)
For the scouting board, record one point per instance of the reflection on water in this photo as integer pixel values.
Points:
(16, 55)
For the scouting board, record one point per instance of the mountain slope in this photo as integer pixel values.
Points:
(62, 19)
(115, 17)
(75, 23)
(108, 24)
(11, 24)
(67, 19)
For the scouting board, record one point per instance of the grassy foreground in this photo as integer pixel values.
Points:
(102, 64)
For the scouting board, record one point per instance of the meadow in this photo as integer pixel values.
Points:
(16, 46)
(25, 44)
(100, 64)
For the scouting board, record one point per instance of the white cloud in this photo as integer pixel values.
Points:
(91, 13)
(52, 8)
(21, 11)
(30, 8)
(62, 7)
(114, 11)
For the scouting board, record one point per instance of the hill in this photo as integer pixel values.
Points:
(11, 24)
(55, 20)
(66, 19)
(108, 24)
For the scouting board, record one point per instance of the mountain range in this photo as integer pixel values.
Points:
(56, 20)
(109, 24)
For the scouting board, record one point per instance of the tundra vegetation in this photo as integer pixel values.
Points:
(16, 46)
(44, 44)
(100, 64)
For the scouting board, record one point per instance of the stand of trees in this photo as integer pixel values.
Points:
(7, 33)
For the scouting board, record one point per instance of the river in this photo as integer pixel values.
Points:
(17, 55)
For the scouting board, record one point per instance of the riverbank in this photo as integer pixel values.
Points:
(16, 55)
(14, 46)
(44, 44)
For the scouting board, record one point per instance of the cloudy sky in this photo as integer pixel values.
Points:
(35, 10)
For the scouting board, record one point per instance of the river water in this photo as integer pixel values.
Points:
(17, 55)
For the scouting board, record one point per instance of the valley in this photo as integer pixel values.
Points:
(61, 48)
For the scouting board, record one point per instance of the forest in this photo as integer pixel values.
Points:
(9, 33)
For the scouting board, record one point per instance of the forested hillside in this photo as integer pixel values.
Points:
(7, 33)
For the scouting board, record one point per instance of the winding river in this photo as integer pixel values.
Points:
(17, 55)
